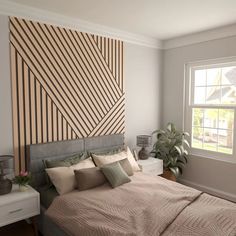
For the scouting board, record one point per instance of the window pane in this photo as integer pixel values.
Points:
(213, 76)
(212, 129)
(213, 95)
(198, 117)
(197, 137)
(210, 139)
(211, 118)
(228, 94)
(200, 77)
(199, 95)
(225, 141)
(226, 119)
(215, 86)
(228, 75)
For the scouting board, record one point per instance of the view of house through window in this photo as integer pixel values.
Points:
(212, 103)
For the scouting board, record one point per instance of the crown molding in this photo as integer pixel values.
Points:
(31, 13)
(200, 37)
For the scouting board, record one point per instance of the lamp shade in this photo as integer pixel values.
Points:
(144, 140)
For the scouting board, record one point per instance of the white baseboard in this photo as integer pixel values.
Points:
(210, 190)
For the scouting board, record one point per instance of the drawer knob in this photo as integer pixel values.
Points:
(17, 210)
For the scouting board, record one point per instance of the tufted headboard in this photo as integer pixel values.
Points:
(60, 150)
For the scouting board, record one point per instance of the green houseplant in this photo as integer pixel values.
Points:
(171, 146)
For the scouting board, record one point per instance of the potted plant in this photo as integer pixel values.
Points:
(22, 180)
(171, 148)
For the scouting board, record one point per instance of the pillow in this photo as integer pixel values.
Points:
(108, 152)
(77, 158)
(55, 163)
(63, 179)
(125, 164)
(87, 163)
(68, 161)
(101, 160)
(89, 178)
(132, 161)
(115, 175)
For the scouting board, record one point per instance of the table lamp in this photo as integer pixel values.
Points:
(143, 141)
(5, 184)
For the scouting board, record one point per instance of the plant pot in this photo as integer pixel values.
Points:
(23, 188)
(167, 174)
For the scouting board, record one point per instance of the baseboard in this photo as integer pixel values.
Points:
(210, 190)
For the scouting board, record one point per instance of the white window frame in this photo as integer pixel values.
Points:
(188, 98)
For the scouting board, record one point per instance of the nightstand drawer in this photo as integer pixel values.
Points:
(18, 210)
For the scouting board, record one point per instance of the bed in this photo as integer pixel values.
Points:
(148, 205)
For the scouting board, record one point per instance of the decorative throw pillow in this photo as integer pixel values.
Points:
(125, 164)
(101, 160)
(55, 163)
(89, 178)
(107, 152)
(68, 161)
(87, 163)
(63, 179)
(132, 161)
(115, 175)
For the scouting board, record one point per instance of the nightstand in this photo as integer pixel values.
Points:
(152, 166)
(16, 206)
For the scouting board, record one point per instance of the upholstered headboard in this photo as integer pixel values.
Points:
(62, 149)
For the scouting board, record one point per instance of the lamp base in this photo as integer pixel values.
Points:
(5, 186)
(143, 154)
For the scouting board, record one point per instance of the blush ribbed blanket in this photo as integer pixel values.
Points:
(147, 206)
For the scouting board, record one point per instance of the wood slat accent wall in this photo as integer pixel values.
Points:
(65, 85)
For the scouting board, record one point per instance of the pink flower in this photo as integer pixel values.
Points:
(23, 173)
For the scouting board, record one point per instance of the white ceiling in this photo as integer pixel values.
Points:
(162, 19)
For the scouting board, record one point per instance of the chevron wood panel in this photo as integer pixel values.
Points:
(65, 85)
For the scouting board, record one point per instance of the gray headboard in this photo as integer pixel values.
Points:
(60, 150)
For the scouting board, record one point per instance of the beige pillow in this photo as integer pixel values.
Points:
(63, 178)
(101, 160)
(87, 163)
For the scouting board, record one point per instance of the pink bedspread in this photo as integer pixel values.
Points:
(147, 206)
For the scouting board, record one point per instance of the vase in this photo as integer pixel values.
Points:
(23, 188)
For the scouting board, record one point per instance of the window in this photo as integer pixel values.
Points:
(210, 108)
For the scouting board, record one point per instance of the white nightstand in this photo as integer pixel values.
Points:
(152, 166)
(17, 205)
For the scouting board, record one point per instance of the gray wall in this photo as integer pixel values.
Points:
(5, 90)
(143, 90)
(216, 176)
(142, 84)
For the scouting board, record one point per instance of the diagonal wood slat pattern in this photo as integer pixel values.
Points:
(65, 85)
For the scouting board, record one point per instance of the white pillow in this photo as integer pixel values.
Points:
(101, 160)
(63, 178)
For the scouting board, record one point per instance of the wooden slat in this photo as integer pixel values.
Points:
(21, 109)
(33, 108)
(49, 117)
(15, 109)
